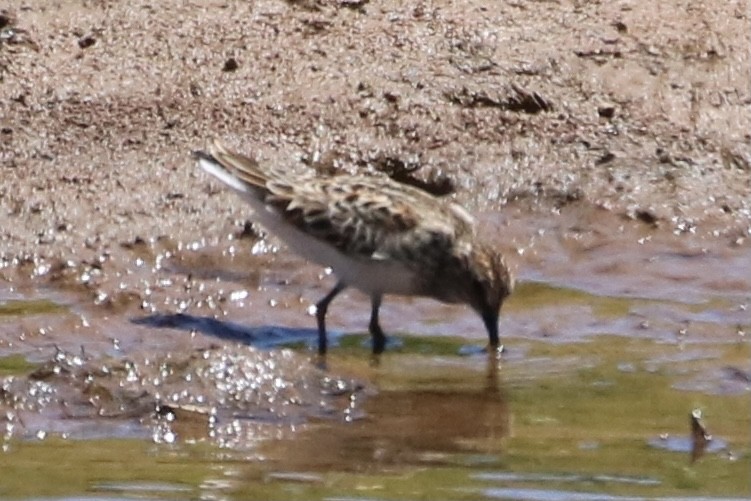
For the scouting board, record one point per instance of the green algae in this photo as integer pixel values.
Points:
(86, 466)
(528, 295)
(15, 364)
(531, 295)
(27, 307)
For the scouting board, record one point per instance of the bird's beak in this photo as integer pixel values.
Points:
(490, 318)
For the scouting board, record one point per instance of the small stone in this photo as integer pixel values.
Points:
(391, 97)
(606, 111)
(620, 26)
(646, 216)
(230, 64)
(5, 19)
(86, 41)
(607, 157)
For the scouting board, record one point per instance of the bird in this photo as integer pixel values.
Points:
(376, 234)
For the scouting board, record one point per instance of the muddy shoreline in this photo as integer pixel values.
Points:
(536, 104)
(146, 323)
(569, 128)
(592, 143)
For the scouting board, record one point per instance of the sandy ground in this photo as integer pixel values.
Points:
(537, 115)
(579, 130)
(635, 107)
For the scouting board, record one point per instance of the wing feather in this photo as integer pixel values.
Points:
(243, 168)
(374, 218)
(369, 217)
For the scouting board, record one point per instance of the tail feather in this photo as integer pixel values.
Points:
(241, 166)
(240, 173)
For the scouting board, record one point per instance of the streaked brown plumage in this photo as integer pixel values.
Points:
(378, 235)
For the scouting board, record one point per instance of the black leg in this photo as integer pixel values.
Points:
(321, 307)
(379, 338)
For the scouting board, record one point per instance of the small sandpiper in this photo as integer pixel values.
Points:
(377, 235)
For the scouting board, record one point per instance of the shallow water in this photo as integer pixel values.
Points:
(584, 417)
(606, 359)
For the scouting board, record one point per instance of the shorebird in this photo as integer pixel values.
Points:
(376, 234)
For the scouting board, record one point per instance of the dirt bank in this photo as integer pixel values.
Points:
(611, 105)
(605, 145)
(593, 113)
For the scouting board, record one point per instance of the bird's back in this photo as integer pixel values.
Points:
(364, 217)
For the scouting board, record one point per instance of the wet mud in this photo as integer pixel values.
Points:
(604, 149)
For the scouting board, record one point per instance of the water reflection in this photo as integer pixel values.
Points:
(438, 424)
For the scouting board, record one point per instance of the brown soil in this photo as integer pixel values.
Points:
(616, 110)
(638, 108)
(606, 144)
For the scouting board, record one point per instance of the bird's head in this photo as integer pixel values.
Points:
(483, 281)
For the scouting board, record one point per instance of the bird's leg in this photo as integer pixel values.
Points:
(379, 338)
(321, 307)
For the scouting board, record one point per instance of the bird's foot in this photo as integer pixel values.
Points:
(319, 361)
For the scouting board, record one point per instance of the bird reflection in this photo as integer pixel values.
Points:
(443, 421)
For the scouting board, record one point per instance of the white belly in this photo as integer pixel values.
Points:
(371, 276)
